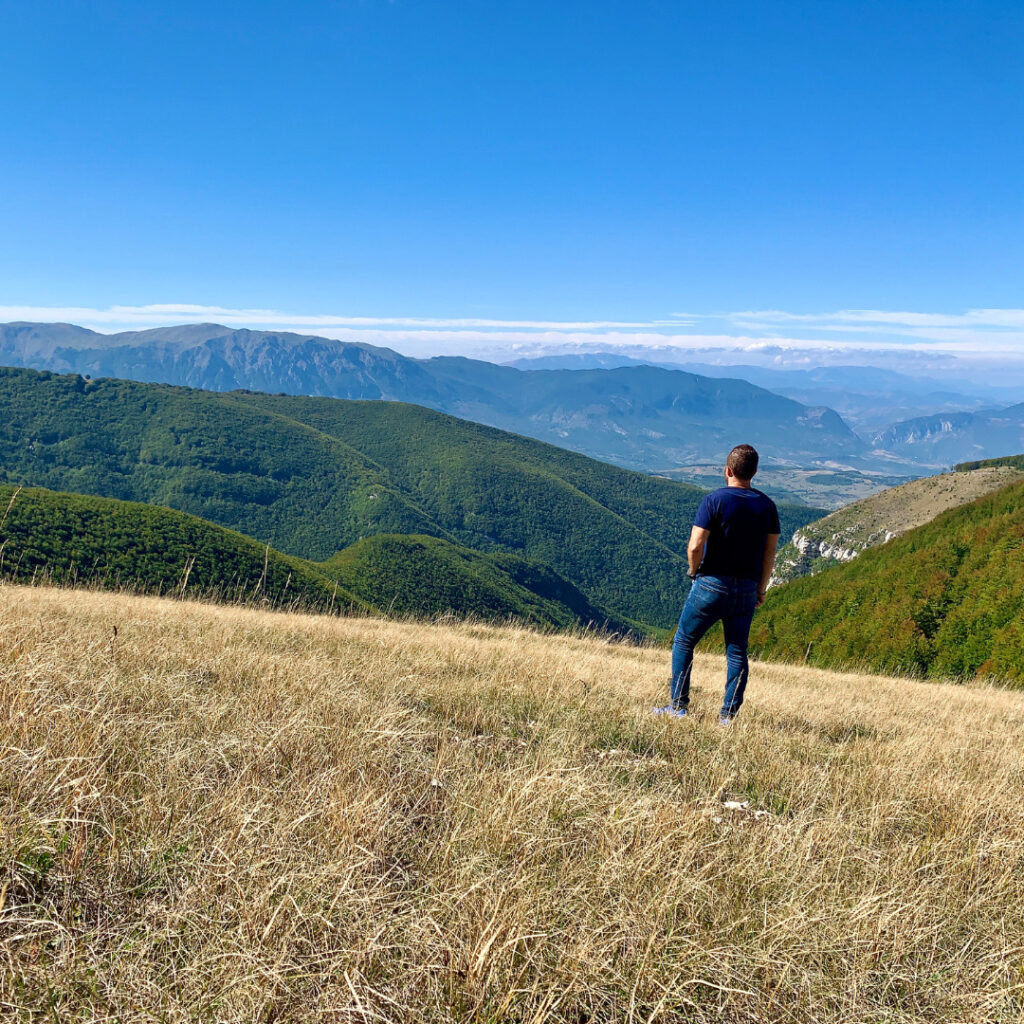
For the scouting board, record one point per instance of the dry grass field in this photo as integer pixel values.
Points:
(219, 814)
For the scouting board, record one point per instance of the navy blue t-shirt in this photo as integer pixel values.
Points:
(739, 519)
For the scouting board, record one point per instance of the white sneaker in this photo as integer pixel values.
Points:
(669, 710)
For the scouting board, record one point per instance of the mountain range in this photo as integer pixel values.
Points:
(651, 417)
(642, 417)
(380, 506)
(869, 398)
(947, 438)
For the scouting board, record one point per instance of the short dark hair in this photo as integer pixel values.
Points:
(743, 461)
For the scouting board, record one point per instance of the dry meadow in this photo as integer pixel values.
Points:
(221, 814)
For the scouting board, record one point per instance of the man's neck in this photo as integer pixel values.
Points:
(734, 481)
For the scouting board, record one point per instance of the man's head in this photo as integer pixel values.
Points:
(741, 464)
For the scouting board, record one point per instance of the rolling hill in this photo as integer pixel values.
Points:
(311, 476)
(81, 539)
(426, 576)
(642, 417)
(944, 599)
(111, 544)
(846, 533)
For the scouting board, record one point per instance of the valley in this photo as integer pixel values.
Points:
(830, 487)
(383, 507)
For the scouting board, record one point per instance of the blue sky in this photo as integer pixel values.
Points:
(812, 176)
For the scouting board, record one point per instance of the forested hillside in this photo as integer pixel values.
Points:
(312, 476)
(843, 535)
(945, 599)
(425, 576)
(74, 538)
(112, 544)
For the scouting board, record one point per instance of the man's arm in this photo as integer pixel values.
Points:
(695, 549)
(770, 545)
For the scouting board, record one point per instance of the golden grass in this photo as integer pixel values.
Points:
(223, 814)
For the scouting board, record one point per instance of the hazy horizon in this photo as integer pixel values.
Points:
(971, 346)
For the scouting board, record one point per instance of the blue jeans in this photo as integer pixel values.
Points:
(711, 598)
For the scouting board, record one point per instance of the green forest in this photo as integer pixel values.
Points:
(312, 476)
(381, 507)
(79, 539)
(419, 575)
(71, 539)
(943, 600)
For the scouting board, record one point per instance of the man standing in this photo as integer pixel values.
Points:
(731, 556)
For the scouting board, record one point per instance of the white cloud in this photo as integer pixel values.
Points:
(774, 337)
(163, 314)
(984, 319)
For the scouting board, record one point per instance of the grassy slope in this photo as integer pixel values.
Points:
(230, 815)
(891, 513)
(70, 538)
(311, 476)
(944, 599)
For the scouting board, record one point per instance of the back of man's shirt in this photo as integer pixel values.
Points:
(739, 520)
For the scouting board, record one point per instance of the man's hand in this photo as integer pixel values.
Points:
(695, 549)
(767, 565)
